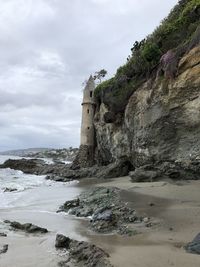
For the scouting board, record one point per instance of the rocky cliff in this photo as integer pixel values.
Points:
(148, 113)
(161, 121)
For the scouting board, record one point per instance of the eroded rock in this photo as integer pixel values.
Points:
(62, 241)
(104, 207)
(26, 227)
(160, 123)
(81, 253)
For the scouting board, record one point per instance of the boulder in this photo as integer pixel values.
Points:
(142, 175)
(3, 234)
(26, 227)
(81, 253)
(62, 241)
(119, 168)
(4, 249)
(194, 246)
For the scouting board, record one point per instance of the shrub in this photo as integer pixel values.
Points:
(178, 33)
(151, 52)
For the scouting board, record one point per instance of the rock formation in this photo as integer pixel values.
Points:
(148, 114)
(161, 121)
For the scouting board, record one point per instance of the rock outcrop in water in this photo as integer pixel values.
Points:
(64, 173)
(56, 171)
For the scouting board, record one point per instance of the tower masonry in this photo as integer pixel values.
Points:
(85, 157)
(88, 109)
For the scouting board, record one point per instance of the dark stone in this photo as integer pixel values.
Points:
(62, 241)
(109, 117)
(185, 170)
(107, 211)
(3, 234)
(194, 246)
(4, 249)
(81, 253)
(57, 172)
(27, 166)
(121, 167)
(142, 175)
(69, 204)
(84, 158)
(9, 189)
(88, 255)
(151, 204)
(27, 227)
(105, 215)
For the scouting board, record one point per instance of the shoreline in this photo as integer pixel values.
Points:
(172, 205)
(177, 211)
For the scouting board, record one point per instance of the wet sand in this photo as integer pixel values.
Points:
(38, 206)
(176, 212)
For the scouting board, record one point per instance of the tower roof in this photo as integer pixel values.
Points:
(90, 85)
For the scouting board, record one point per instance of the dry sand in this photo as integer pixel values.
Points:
(177, 211)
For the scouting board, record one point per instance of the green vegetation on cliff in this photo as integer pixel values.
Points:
(158, 54)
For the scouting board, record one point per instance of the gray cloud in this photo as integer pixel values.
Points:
(48, 48)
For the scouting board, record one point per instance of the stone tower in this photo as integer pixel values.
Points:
(88, 109)
(85, 157)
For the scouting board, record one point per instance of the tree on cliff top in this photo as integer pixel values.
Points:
(99, 75)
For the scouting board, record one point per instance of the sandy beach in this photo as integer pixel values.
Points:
(177, 211)
(173, 207)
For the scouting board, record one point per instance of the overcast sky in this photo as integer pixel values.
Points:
(48, 48)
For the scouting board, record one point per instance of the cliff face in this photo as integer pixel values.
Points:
(161, 121)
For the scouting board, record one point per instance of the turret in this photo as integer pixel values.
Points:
(85, 157)
(88, 109)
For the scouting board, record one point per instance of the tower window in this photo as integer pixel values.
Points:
(90, 93)
(88, 111)
(88, 128)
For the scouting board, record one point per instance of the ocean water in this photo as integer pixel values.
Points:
(30, 189)
(35, 200)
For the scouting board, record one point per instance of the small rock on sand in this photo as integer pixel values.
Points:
(4, 249)
(26, 227)
(194, 246)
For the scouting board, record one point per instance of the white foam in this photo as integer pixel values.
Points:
(24, 184)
